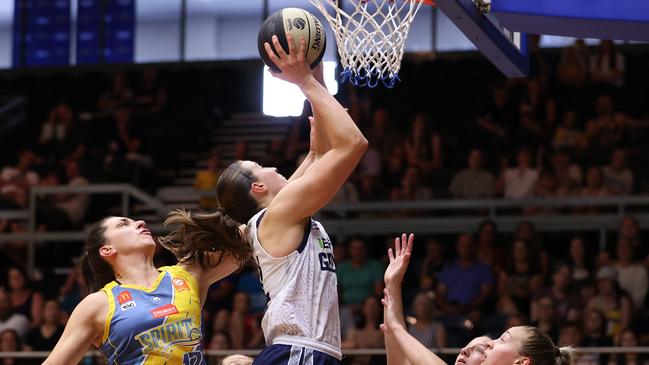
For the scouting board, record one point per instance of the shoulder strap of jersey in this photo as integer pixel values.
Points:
(177, 271)
(108, 290)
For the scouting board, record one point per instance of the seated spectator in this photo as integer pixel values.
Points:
(545, 187)
(244, 328)
(567, 135)
(395, 168)
(426, 330)
(205, 181)
(382, 133)
(526, 231)
(546, 318)
(473, 182)
(73, 290)
(628, 338)
(594, 184)
(74, 205)
(20, 176)
(568, 174)
(367, 333)
(24, 300)
(370, 188)
(608, 65)
(581, 265)
(571, 334)
(249, 283)
(609, 299)
(618, 178)
(218, 341)
(9, 319)
(631, 275)
(10, 341)
(360, 276)
(411, 188)
(595, 335)
(221, 323)
(518, 182)
(629, 230)
(45, 336)
(568, 304)
(521, 277)
(604, 132)
(431, 265)
(465, 285)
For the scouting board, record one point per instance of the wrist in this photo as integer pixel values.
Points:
(308, 82)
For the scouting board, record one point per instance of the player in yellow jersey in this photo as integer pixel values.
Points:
(140, 314)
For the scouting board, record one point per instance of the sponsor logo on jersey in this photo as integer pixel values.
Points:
(180, 284)
(127, 305)
(124, 297)
(164, 311)
(165, 337)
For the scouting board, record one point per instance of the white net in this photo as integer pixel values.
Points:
(370, 36)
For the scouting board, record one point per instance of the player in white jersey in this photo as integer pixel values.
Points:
(294, 253)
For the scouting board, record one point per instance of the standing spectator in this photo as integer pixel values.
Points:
(608, 65)
(537, 115)
(465, 285)
(572, 71)
(579, 262)
(521, 277)
(595, 335)
(24, 300)
(360, 276)
(618, 178)
(120, 96)
(58, 134)
(367, 333)
(518, 182)
(423, 147)
(428, 331)
(151, 96)
(631, 275)
(615, 305)
(431, 265)
(9, 319)
(45, 336)
(205, 181)
(496, 125)
(20, 176)
(473, 182)
(567, 135)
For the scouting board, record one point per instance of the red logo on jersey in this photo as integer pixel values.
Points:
(180, 284)
(124, 297)
(165, 310)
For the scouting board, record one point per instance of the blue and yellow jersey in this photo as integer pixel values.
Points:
(157, 325)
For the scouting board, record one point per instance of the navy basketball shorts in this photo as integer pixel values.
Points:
(294, 355)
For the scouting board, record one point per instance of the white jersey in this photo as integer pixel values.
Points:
(301, 289)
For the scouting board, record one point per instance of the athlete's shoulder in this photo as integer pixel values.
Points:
(93, 308)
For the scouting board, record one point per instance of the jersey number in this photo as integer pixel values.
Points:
(327, 262)
(192, 358)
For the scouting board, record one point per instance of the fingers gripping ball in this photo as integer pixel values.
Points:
(298, 23)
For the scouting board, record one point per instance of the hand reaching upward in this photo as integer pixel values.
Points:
(399, 260)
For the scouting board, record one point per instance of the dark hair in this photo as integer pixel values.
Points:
(22, 272)
(538, 347)
(17, 338)
(219, 231)
(96, 271)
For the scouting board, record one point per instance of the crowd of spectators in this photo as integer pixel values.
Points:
(561, 133)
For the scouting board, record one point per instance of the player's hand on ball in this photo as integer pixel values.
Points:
(399, 259)
(293, 66)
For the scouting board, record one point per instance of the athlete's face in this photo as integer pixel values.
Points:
(268, 179)
(506, 349)
(237, 360)
(474, 352)
(125, 235)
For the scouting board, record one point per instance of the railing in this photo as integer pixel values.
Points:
(430, 217)
(350, 352)
(31, 235)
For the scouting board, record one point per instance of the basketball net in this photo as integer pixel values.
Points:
(370, 37)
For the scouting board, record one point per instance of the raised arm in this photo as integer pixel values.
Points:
(85, 326)
(400, 346)
(305, 195)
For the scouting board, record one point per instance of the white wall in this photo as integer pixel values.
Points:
(6, 46)
(157, 41)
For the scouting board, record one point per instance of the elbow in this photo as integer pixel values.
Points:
(360, 143)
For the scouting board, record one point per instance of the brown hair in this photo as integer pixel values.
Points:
(218, 231)
(538, 347)
(96, 271)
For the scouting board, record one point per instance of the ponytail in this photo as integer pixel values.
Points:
(538, 347)
(96, 271)
(566, 355)
(201, 233)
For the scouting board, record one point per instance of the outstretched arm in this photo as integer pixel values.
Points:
(401, 347)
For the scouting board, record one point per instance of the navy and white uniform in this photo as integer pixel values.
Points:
(302, 322)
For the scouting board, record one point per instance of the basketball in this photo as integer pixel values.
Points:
(298, 23)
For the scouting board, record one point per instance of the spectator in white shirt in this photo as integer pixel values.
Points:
(631, 275)
(618, 178)
(519, 181)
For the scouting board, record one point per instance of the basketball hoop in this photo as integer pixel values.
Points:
(370, 37)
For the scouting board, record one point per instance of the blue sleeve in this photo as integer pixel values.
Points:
(486, 275)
